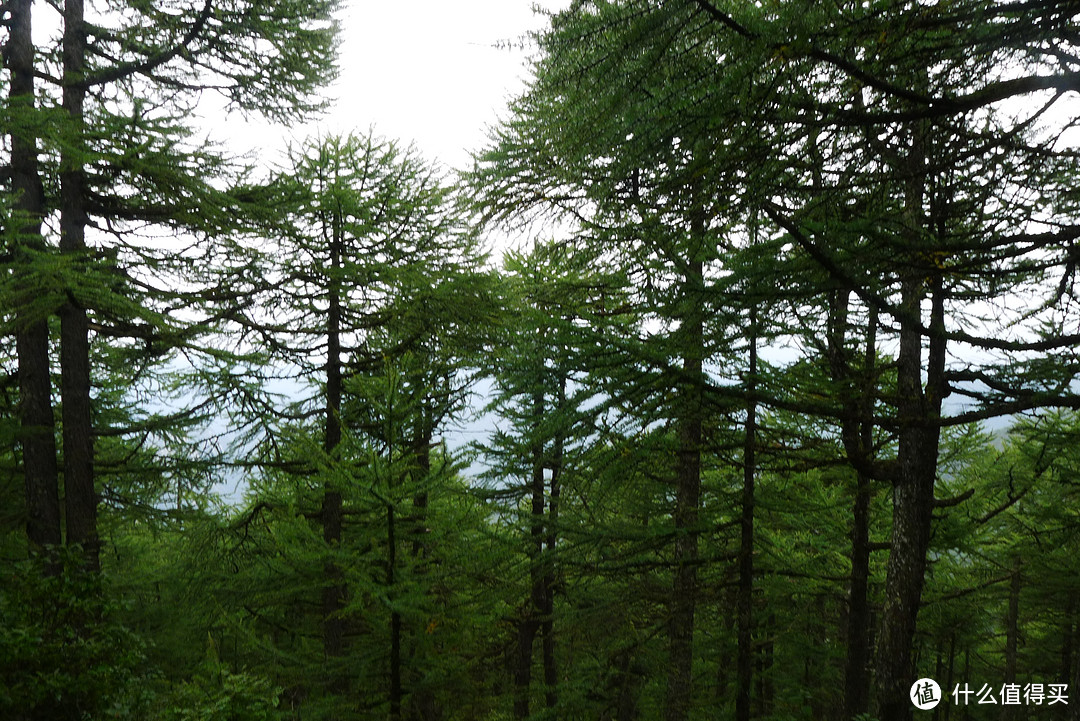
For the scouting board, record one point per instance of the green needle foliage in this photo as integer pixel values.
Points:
(730, 463)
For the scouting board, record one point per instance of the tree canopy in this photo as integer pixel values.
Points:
(770, 412)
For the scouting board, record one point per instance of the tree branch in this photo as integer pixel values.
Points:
(149, 64)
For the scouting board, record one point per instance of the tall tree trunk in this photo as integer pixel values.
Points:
(856, 671)
(537, 605)
(333, 593)
(918, 420)
(80, 498)
(913, 504)
(422, 703)
(746, 544)
(547, 629)
(551, 675)
(857, 436)
(37, 427)
(522, 659)
(766, 658)
(687, 495)
(422, 458)
(396, 691)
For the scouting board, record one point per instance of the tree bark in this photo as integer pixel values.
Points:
(526, 633)
(913, 503)
(919, 430)
(37, 427)
(333, 593)
(80, 497)
(687, 497)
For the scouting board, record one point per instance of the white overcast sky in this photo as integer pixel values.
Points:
(431, 72)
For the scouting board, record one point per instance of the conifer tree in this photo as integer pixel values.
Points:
(856, 140)
(103, 143)
(540, 387)
(121, 81)
(31, 310)
(643, 193)
(367, 281)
